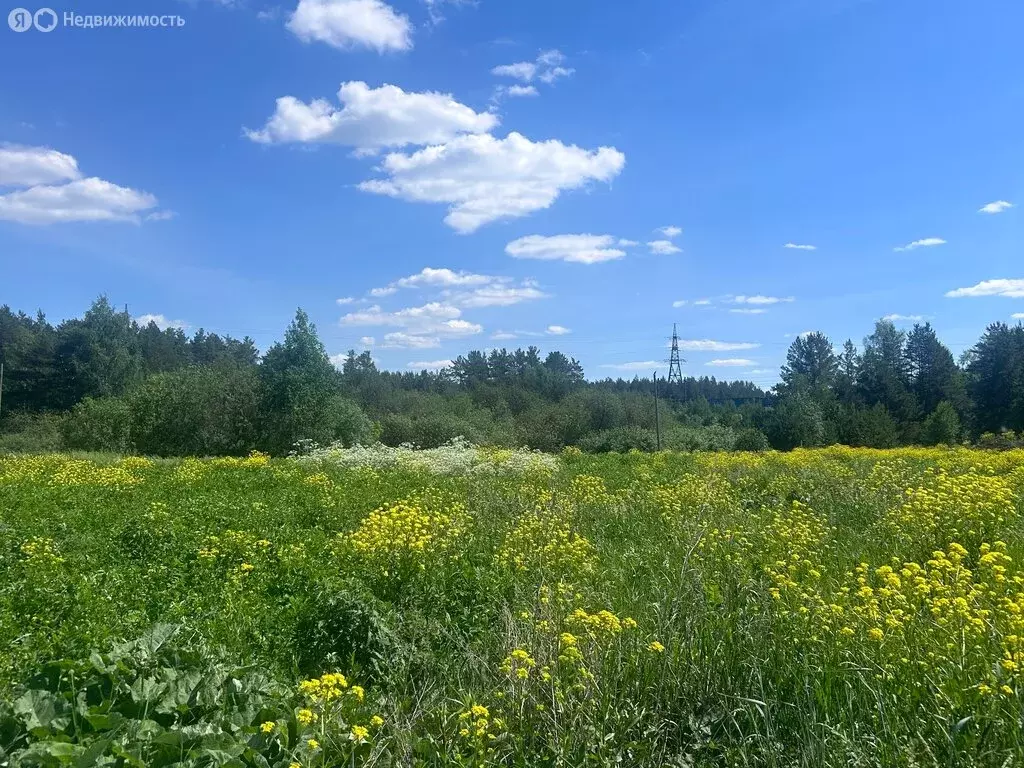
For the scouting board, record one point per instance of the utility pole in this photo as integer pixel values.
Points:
(1, 388)
(657, 421)
(675, 369)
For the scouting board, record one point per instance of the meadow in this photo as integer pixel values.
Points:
(484, 607)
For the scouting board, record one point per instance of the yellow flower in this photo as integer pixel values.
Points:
(656, 647)
(359, 733)
(305, 716)
(313, 743)
(268, 726)
(875, 634)
(358, 692)
(376, 721)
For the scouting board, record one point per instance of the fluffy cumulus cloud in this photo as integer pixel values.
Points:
(1011, 288)
(485, 179)
(1018, 315)
(89, 199)
(351, 23)
(732, 362)
(422, 327)
(709, 345)
(663, 247)
(161, 322)
(428, 325)
(558, 330)
(927, 242)
(670, 231)
(32, 166)
(466, 289)
(581, 249)
(373, 118)
(46, 187)
(429, 365)
(996, 207)
(801, 247)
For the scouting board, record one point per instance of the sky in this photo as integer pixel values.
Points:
(426, 177)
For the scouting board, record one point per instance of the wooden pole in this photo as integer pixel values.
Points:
(657, 420)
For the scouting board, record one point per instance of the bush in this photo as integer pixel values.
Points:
(751, 440)
(31, 433)
(99, 424)
(620, 440)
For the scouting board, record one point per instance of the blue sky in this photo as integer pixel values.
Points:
(470, 175)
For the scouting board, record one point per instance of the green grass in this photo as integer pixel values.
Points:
(712, 602)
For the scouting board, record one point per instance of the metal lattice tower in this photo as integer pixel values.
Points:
(675, 368)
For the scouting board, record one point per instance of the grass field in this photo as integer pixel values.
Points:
(835, 607)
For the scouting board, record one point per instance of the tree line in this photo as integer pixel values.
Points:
(105, 382)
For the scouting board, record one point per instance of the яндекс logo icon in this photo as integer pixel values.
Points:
(20, 20)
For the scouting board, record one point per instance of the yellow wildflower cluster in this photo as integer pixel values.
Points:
(603, 624)
(407, 534)
(968, 508)
(545, 541)
(588, 489)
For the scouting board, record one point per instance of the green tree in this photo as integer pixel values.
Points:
(942, 427)
(300, 400)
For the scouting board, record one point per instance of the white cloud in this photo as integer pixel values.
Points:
(467, 289)
(431, 277)
(421, 327)
(895, 317)
(663, 247)
(89, 199)
(624, 243)
(31, 166)
(670, 231)
(161, 322)
(351, 23)
(748, 311)
(734, 362)
(373, 118)
(581, 249)
(1011, 288)
(342, 302)
(46, 200)
(338, 360)
(707, 345)
(644, 365)
(546, 68)
(679, 303)
(430, 365)
(516, 90)
(762, 299)
(1018, 315)
(161, 216)
(504, 336)
(523, 70)
(367, 341)
(497, 295)
(550, 75)
(997, 207)
(801, 247)
(485, 179)
(702, 303)
(558, 330)
(925, 243)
